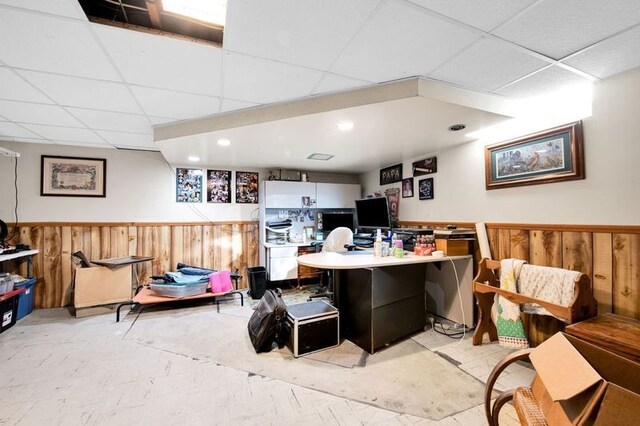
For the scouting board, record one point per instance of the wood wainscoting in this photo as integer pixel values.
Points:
(220, 246)
(610, 255)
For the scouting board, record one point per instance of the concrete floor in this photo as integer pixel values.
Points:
(56, 369)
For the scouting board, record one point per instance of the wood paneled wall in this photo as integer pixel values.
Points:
(221, 246)
(610, 255)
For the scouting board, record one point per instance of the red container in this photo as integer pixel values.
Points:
(220, 282)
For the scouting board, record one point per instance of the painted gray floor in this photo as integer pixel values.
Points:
(195, 366)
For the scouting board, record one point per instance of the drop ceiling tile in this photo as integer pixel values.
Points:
(12, 87)
(121, 139)
(102, 145)
(558, 28)
(68, 8)
(22, 112)
(335, 83)
(52, 44)
(260, 81)
(401, 41)
(27, 140)
(11, 130)
(232, 105)
(103, 120)
(487, 65)
(163, 62)
(483, 14)
(548, 80)
(164, 103)
(67, 134)
(85, 93)
(610, 57)
(161, 120)
(305, 33)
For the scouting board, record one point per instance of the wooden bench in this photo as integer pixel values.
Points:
(487, 284)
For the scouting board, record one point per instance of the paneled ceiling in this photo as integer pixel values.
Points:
(65, 80)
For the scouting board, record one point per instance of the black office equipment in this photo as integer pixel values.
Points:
(331, 221)
(373, 213)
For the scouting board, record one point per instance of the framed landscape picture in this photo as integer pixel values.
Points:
(551, 156)
(188, 185)
(218, 186)
(73, 176)
(247, 187)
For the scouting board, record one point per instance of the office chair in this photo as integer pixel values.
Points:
(338, 240)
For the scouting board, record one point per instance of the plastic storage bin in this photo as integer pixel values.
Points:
(8, 310)
(6, 283)
(180, 290)
(257, 281)
(25, 300)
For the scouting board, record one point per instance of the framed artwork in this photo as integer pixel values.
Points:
(308, 232)
(391, 174)
(551, 156)
(218, 186)
(188, 185)
(425, 167)
(425, 189)
(407, 188)
(73, 176)
(247, 187)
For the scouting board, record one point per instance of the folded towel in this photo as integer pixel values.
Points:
(509, 324)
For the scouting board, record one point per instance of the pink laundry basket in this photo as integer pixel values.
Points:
(220, 282)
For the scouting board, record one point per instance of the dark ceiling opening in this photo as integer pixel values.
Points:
(149, 16)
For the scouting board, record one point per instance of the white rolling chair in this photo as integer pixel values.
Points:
(338, 240)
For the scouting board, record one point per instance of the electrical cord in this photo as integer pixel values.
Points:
(459, 335)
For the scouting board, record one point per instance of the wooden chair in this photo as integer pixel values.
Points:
(487, 284)
(526, 407)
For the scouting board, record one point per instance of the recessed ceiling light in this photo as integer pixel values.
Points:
(321, 157)
(211, 11)
(224, 142)
(457, 127)
(193, 158)
(345, 126)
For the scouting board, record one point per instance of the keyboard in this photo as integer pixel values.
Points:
(363, 242)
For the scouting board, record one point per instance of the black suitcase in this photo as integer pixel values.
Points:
(266, 325)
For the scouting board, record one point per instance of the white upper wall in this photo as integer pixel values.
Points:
(610, 194)
(140, 188)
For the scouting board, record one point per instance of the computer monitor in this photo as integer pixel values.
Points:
(331, 221)
(373, 213)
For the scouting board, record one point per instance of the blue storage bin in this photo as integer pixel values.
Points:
(25, 300)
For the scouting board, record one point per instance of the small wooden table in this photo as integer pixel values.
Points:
(146, 297)
(618, 334)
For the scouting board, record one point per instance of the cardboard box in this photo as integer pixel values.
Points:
(459, 247)
(577, 383)
(101, 286)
